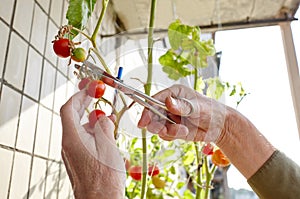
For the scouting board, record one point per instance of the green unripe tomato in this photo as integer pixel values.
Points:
(78, 54)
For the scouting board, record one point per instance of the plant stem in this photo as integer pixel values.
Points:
(150, 47)
(83, 33)
(208, 178)
(97, 28)
(199, 188)
(147, 88)
(145, 164)
(95, 50)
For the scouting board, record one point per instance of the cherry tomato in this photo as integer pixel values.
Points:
(61, 47)
(153, 170)
(78, 54)
(96, 88)
(135, 172)
(94, 116)
(84, 83)
(208, 149)
(158, 183)
(219, 159)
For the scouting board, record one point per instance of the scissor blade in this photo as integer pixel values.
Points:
(116, 83)
(102, 74)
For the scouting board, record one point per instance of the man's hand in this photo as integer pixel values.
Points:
(92, 159)
(204, 121)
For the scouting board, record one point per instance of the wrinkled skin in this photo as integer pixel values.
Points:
(198, 118)
(92, 159)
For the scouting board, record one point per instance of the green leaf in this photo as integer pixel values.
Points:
(215, 88)
(188, 158)
(173, 170)
(166, 154)
(200, 85)
(79, 12)
(174, 66)
(233, 91)
(154, 139)
(180, 185)
(177, 32)
(188, 194)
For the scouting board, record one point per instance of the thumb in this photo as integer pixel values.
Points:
(179, 106)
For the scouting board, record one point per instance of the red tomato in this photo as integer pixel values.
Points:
(83, 83)
(61, 47)
(208, 149)
(96, 88)
(135, 172)
(219, 159)
(153, 170)
(94, 116)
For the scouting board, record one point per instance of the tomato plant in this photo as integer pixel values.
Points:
(96, 88)
(62, 48)
(135, 172)
(78, 54)
(187, 55)
(94, 116)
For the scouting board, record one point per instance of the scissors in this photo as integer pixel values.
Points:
(134, 94)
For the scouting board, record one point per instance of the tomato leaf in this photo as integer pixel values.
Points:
(215, 88)
(79, 12)
(174, 65)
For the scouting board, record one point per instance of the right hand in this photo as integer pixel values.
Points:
(204, 121)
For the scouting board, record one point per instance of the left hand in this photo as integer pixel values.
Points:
(93, 161)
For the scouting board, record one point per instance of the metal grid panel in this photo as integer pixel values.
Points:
(29, 128)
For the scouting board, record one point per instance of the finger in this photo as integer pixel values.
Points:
(112, 118)
(156, 126)
(108, 152)
(145, 118)
(104, 127)
(177, 131)
(179, 106)
(71, 113)
(76, 104)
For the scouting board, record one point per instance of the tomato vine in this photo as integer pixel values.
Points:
(186, 57)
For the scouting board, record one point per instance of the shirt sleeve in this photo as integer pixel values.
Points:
(279, 177)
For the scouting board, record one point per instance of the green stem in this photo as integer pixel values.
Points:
(208, 178)
(150, 47)
(147, 88)
(196, 78)
(101, 59)
(97, 28)
(83, 33)
(145, 164)
(199, 188)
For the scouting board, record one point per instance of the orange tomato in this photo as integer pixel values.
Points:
(219, 158)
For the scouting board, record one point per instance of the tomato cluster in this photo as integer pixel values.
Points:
(95, 89)
(135, 171)
(65, 48)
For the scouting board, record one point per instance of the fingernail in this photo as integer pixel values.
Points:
(174, 101)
